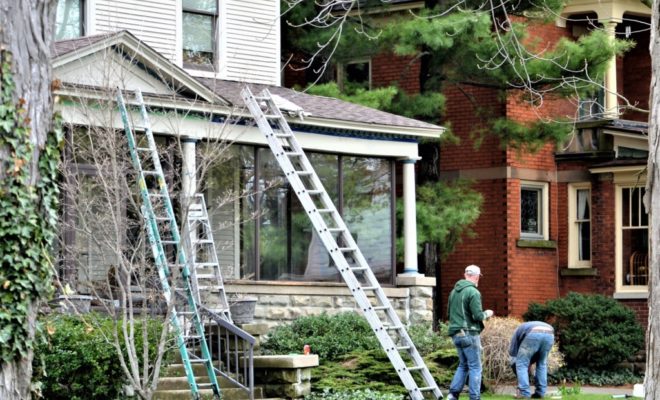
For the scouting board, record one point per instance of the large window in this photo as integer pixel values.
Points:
(69, 21)
(579, 229)
(634, 237)
(267, 233)
(534, 210)
(199, 21)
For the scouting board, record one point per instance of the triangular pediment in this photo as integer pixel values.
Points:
(121, 60)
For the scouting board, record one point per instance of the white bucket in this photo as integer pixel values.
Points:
(638, 390)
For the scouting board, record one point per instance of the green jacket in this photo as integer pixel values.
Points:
(464, 307)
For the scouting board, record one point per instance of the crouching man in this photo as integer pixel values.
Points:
(531, 344)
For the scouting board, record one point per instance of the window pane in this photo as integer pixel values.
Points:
(635, 202)
(635, 256)
(198, 38)
(231, 209)
(273, 219)
(530, 211)
(367, 210)
(584, 244)
(201, 5)
(310, 260)
(68, 22)
(644, 220)
(625, 206)
(583, 204)
(357, 74)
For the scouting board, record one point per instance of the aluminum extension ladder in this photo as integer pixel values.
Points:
(162, 230)
(339, 242)
(205, 272)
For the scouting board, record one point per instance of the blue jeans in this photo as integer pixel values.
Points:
(536, 345)
(469, 365)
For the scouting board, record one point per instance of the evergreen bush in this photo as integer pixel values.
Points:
(593, 331)
(78, 361)
(329, 336)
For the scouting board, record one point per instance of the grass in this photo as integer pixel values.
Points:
(565, 397)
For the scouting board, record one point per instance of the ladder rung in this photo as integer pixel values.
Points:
(205, 276)
(315, 191)
(271, 116)
(163, 218)
(380, 308)
(324, 210)
(335, 229)
(415, 368)
(156, 195)
(185, 312)
(191, 336)
(393, 327)
(205, 385)
(303, 173)
(293, 154)
(143, 149)
(198, 360)
(402, 348)
(427, 389)
(169, 241)
(281, 135)
(346, 249)
(359, 269)
(152, 173)
(203, 241)
(370, 288)
(206, 264)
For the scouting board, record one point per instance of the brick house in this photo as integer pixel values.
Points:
(559, 220)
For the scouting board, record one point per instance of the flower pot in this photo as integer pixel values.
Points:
(242, 310)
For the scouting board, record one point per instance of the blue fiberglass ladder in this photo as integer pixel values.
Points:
(162, 230)
(343, 249)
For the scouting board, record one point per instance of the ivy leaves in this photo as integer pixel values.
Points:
(28, 216)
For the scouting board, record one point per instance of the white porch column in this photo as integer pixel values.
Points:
(189, 167)
(611, 100)
(409, 219)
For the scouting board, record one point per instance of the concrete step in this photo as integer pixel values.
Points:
(227, 394)
(181, 382)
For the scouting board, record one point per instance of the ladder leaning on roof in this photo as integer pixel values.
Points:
(163, 230)
(339, 242)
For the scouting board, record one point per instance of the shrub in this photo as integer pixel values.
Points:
(328, 336)
(77, 359)
(593, 331)
(614, 377)
(495, 340)
(365, 394)
(426, 341)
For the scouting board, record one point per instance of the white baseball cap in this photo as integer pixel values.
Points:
(472, 270)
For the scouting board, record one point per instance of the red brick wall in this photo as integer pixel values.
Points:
(488, 250)
(635, 76)
(464, 117)
(388, 69)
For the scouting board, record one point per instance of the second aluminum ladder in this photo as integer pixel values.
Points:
(343, 249)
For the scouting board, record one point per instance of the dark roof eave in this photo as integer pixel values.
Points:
(592, 156)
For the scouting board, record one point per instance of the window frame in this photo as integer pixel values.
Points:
(543, 231)
(622, 290)
(342, 75)
(573, 226)
(215, 17)
(83, 20)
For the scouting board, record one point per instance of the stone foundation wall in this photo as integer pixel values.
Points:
(282, 302)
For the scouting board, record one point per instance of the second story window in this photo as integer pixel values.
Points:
(354, 75)
(579, 229)
(199, 21)
(69, 19)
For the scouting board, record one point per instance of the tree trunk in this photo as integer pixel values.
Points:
(652, 201)
(25, 32)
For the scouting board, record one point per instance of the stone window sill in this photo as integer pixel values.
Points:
(537, 243)
(578, 272)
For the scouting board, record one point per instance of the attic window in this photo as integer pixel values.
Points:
(69, 19)
(199, 20)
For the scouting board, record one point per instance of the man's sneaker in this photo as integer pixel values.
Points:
(537, 396)
(451, 396)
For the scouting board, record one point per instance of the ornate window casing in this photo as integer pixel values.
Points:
(579, 225)
(534, 210)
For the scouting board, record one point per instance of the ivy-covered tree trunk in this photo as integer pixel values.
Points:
(652, 376)
(28, 193)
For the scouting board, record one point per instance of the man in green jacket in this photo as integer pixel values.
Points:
(465, 324)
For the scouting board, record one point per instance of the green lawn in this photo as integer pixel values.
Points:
(565, 397)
